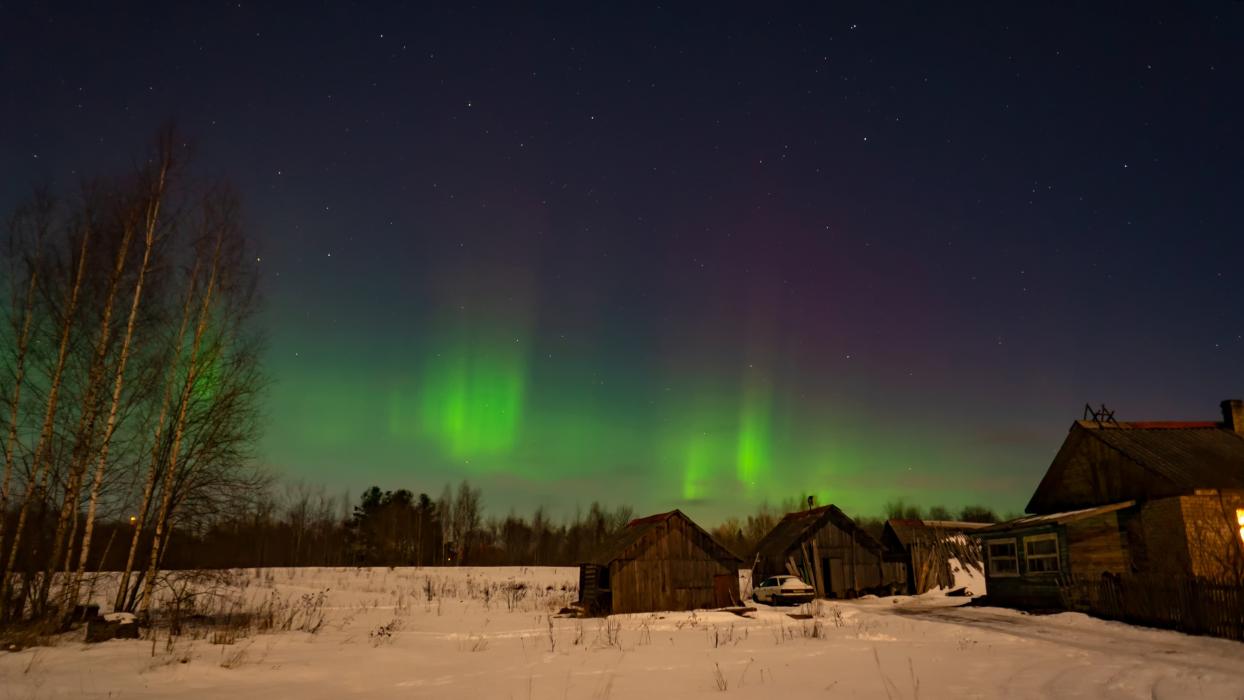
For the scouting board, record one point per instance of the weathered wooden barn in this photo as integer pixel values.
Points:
(1153, 501)
(661, 562)
(928, 550)
(825, 548)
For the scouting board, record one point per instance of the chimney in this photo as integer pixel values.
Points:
(1233, 415)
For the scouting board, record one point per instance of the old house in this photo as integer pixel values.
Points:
(661, 562)
(928, 551)
(1028, 560)
(1158, 501)
(828, 550)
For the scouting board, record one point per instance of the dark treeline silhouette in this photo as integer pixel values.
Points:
(305, 526)
(301, 525)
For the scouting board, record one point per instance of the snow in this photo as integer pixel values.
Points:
(969, 578)
(475, 633)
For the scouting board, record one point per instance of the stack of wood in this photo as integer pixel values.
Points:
(806, 568)
(931, 558)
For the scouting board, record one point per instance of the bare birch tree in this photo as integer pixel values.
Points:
(39, 468)
(132, 379)
(158, 183)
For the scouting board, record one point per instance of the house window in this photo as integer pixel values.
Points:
(1002, 558)
(1041, 553)
(1239, 518)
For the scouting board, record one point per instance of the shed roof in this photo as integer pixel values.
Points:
(642, 532)
(800, 525)
(1052, 518)
(909, 530)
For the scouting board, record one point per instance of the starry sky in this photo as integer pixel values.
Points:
(689, 255)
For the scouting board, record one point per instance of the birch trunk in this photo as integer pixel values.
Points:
(179, 426)
(90, 415)
(154, 468)
(153, 215)
(45, 432)
(19, 378)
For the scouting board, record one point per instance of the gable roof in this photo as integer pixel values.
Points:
(1191, 455)
(906, 531)
(795, 527)
(1179, 456)
(1052, 518)
(642, 532)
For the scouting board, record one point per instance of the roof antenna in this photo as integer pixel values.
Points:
(1100, 415)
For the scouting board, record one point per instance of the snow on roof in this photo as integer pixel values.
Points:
(1054, 518)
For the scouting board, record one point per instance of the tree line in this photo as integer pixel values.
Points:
(301, 525)
(305, 526)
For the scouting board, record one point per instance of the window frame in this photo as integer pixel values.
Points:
(1057, 556)
(989, 556)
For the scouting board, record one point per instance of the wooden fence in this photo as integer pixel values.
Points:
(1195, 606)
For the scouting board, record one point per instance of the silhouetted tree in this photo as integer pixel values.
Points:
(978, 514)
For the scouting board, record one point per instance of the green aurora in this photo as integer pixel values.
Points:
(533, 431)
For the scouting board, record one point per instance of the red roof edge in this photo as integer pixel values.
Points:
(1148, 425)
(1169, 424)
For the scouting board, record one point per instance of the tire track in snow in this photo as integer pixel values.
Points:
(1197, 655)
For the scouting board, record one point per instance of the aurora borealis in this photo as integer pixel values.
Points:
(697, 258)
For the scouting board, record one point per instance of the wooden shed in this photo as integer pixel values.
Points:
(929, 549)
(661, 562)
(825, 548)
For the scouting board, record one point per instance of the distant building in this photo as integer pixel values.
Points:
(661, 562)
(929, 549)
(827, 550)
(1157, 499)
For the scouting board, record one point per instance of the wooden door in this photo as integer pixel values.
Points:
(723, 591)
(837, 578)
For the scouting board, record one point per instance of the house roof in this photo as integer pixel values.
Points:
(1052, 518)
(1190, 455)
(798, 526)
(1180, 456)
(642, 532)
(908, 530)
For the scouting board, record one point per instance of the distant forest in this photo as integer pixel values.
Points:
(300, 525)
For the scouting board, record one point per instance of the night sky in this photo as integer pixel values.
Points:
(696, 258)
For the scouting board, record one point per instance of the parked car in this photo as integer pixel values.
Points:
(783, 590)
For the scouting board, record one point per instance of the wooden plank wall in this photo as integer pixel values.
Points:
(674, 573)
(1092, 474)
(1096, 546)
(861, 568)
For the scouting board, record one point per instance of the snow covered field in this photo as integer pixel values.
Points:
(475, 633)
